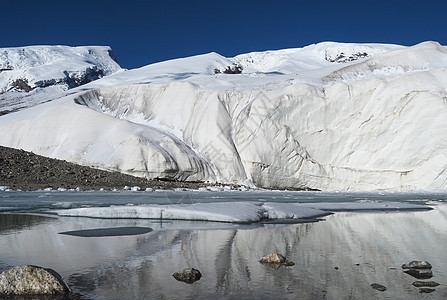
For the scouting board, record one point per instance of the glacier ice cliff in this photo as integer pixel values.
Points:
(301, 118)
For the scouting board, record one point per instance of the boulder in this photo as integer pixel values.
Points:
(32, 280)
(188, 275)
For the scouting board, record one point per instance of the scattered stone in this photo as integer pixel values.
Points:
(31, 280)
(426, 290)
(378, 287)
(417, 264)
(275, 261)
(420, 273)
(188, 275)
(425, 283)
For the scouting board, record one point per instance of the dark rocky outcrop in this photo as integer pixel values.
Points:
(21, 85)
(31, 280)
(343, 58)
(235, 69)
(188, 275)
(73, 80)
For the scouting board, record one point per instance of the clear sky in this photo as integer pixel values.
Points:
(142, 32)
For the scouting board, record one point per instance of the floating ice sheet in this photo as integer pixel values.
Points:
(232, 212)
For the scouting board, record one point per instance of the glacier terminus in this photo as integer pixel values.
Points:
(329, 116)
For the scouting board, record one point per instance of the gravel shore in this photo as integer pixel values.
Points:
(26, 171)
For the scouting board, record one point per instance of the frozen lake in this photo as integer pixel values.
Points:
(338, 257)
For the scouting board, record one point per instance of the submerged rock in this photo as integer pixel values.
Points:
(275, 261)
(188, 275)
(425, 283)
(426, 290)
(378, 287)
(31, 280)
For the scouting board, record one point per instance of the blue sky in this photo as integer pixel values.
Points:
(143, 32)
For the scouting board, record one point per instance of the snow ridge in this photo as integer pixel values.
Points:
(34, 72)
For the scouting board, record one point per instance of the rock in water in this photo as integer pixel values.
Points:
(274, 258)
(417, 264)
(425, 283)
(419, 269)
(426, 290)
(188, 275)
(31, 280)
(378, 287)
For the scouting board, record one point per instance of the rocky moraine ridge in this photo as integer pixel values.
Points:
(21, 170)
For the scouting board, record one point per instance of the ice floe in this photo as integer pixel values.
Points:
(232, 212)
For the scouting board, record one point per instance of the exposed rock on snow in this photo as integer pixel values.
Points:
(31, 280)
(292, 118)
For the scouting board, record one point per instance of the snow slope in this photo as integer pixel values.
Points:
(35, 74)
(329, 116)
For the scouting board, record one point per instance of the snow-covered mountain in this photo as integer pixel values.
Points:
(329, 116)
(35, 74)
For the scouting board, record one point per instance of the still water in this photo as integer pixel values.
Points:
(336, 258)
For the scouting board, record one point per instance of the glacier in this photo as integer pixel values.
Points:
(329, 116)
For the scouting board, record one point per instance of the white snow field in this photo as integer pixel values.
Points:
(330, 116)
